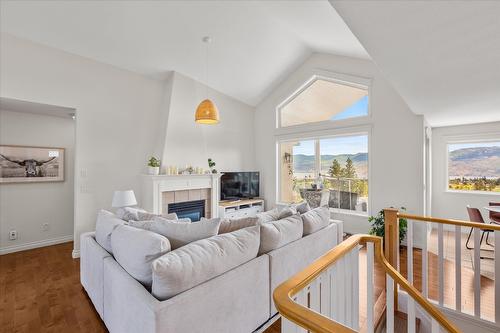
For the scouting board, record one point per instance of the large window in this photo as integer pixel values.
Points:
(326, 171)
(324, 100)
(474, 166)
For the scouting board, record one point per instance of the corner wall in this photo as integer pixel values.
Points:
(396, 141)
(26, 207)
(117, 117)
(230, 143)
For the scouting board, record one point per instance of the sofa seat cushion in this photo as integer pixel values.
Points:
(106, 223)
(315, 219)
(230, 225)
(180, 233)
(294, 257)
(276, 234)
(200, 261)
(135, 250)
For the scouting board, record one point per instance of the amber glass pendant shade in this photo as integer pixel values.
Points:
(207, 113)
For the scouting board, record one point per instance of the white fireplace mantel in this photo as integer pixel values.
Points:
(154, 186)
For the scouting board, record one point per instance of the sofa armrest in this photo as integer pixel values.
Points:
(340, 230)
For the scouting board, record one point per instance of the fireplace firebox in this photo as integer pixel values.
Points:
(194, 210)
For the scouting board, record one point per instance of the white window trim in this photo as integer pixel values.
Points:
(332, 133)
(317, 74)
(466, 138)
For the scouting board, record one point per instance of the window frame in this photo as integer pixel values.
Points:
(327, 134)
(464, 139)
(344, 79)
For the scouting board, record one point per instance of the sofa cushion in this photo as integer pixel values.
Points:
(135, 249)
(146, 216)
(230, 225)
(276, 214)
(180, 233)
(105, 224)
(129, 213)
(315, 219)
(276, 234)
(195, 263)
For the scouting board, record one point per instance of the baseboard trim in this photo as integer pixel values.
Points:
(36, 244)
(75, 254)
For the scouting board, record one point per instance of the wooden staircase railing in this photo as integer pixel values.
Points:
(454, 227)
(324, 297)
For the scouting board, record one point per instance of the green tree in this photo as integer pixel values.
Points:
(335, 170)
(349, 170)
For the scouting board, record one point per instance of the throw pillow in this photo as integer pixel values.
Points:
(200, 261)
(104, 226)
(315, 219)
(230, 225)
(135, 250)
(276, 234)
(302, 207)
(180, 233)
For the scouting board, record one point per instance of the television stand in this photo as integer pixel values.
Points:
(235, 209)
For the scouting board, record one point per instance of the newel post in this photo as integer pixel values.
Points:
(391, 243)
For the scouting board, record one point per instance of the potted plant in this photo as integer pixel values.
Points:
(211, 165)
(378, 225)
(154, 166)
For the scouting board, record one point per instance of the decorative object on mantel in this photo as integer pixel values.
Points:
(123, 199)
(154, 166)
(211, 165)
(206, 112)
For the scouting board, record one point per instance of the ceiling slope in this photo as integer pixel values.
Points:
(255, 44)
(443, 57)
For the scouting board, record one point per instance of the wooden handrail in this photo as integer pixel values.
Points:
(484, 226)
(316, 322)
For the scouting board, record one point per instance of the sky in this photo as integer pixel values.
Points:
(360, 108)
(456, 146)
(334, 146)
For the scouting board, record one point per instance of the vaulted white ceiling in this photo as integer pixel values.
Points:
(443, 57)
(255, 43)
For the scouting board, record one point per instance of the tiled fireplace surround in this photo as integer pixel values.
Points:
(188, 195)
(159, 191)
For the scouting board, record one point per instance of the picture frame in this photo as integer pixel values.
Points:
(31, 164)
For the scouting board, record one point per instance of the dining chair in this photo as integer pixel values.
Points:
(494, 216)
(475, 216)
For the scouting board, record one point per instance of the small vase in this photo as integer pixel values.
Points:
(154, 171)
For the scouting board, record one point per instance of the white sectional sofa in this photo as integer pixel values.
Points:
(239, 300)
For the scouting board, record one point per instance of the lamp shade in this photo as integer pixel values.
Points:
(124, 199)
(207, 113)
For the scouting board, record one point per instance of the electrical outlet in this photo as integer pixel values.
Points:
(13, 235)
(45, 227)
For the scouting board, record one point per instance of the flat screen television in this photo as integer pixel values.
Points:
(239, 185)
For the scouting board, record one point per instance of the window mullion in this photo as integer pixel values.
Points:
(317, 163)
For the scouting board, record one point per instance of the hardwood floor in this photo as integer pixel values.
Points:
(40, 291)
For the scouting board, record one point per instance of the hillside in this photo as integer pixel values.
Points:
(475, 162)
(305, 163)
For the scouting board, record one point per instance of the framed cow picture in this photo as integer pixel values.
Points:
(23, 164)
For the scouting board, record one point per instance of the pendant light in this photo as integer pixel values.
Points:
(206, 112)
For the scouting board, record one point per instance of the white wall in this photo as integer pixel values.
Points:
(396, 143)
(122, 119)
(449, 204)
(26, 207)
(230, 143)
(117, 117)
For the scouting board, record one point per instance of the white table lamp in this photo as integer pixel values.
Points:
(123, 199)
